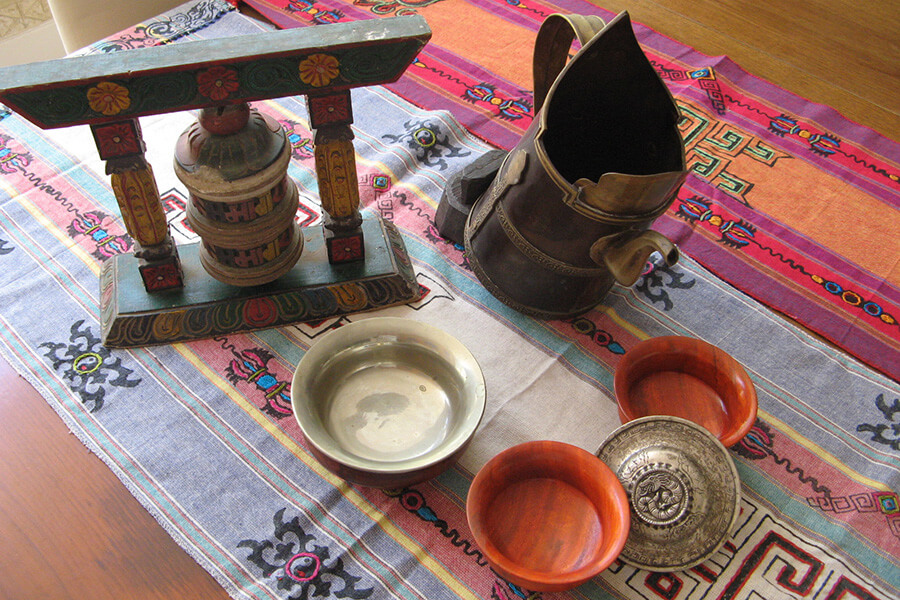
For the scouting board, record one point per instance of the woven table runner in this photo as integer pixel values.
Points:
(201, 433)
(780, 191)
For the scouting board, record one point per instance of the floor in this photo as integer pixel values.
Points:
(27, 32)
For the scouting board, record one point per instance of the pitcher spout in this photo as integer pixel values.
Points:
(626, 253)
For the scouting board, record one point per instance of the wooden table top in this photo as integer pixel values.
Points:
(839, 53)
(72, 530)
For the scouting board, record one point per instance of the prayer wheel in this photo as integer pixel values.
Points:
(242, 204)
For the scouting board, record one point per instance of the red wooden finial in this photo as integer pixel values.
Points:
(224, 120)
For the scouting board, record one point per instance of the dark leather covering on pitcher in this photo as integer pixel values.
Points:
(568, 213)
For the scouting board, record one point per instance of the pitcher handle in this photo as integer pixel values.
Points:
(551, 48)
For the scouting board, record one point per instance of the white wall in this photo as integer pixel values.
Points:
(36, 44)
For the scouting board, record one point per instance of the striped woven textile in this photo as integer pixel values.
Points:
(202, 434)
(774, 178)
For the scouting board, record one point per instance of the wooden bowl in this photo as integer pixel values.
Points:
(548, 516)
(388, 402)
(686, 377)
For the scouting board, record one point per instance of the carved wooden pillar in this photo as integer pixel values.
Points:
(330, 116)
(121, 145)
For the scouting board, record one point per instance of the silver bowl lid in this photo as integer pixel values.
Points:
(683, 490)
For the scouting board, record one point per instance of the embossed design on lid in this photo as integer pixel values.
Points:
(682, 487)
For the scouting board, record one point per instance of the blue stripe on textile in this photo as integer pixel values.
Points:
(47, 261)
(276, 479)
(90, 431)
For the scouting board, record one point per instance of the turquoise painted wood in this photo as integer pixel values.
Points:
(311, 291)
(306, 61)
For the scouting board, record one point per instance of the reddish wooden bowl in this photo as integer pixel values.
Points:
(686, 377)
(548, 516)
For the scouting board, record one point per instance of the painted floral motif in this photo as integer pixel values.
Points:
(117, 139)
(165, 276)
(108, 98)
(218, 82)
(329, 110)
(319, 70)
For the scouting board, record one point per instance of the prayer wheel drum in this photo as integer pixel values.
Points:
(242, 204)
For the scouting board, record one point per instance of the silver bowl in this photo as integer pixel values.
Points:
(683, 489)
(388, 402)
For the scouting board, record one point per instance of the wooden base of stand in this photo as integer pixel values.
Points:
(314, 289)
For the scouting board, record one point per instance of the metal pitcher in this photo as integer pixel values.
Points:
(568, 213)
